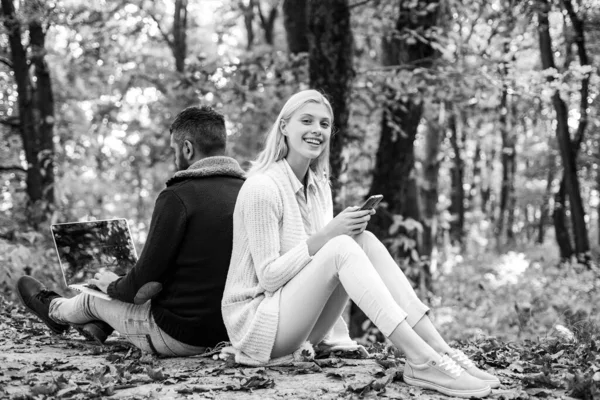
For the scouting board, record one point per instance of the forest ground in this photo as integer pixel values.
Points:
(545, 344)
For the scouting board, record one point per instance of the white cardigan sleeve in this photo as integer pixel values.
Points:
(262, 211)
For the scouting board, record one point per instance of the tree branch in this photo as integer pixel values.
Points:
(12, 168)
(358, 4)
(6, 62)
(164, 34)
(13, 122)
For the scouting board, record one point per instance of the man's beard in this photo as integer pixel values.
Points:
(181, 164)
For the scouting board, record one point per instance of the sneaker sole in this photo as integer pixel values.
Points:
(57, 331)
(493, 384)
(450, 392)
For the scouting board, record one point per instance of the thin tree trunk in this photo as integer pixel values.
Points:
(476, 182)
(486, 188)
(295, 23)
(331, 69)
(568, 150)
(545, 208)
(36, 109)
(180, 34)
(248, 13)
(457, 195)
(267, 22)
(429, 192)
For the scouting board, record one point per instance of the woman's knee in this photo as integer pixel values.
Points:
(366, 236)
(368, 240)
(341, 244)
(341, 247)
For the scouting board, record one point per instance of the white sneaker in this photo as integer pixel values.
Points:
(445, 376)
(464, 361)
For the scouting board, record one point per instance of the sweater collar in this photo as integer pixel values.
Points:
(296, 184)
(210, 166)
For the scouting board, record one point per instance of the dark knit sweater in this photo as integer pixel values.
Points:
(188, 251)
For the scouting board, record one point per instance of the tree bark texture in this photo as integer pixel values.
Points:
(330, 69)
(295, 23)
(568, 148)
(36, 107)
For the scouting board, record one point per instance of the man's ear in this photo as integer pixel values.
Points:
(188, 150)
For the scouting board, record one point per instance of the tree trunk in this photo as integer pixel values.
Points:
(294, 21)
(568, 150)
(267, 23)
(472, 199)
(180, 34)
(429, 192)
(545, 208)
(507, 126)
(393, 175)
(330, 69)
(561, 229)
(248, 13)
(36, 109)
(457, 194)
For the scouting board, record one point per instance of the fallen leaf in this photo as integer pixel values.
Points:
(156, 374)
(44, 389)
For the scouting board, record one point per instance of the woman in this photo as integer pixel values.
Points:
(294, 266)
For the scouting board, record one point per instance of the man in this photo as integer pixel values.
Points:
(184, 263)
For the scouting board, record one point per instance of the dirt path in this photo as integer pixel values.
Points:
(36, 364)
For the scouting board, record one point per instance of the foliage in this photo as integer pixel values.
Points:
(116, 89)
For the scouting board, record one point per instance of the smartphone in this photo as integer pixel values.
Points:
(371, 202)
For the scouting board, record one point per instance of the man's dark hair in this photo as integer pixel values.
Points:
(203, 127)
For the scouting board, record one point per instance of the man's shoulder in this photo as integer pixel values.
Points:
(209, 181)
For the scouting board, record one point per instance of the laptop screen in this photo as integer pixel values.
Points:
(85, 248)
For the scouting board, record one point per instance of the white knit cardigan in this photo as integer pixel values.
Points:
(269, 249)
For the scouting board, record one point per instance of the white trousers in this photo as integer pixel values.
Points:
(359, 268)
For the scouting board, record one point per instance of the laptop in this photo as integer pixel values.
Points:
(86, 248)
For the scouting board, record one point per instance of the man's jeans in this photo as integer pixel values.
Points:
(135, 322)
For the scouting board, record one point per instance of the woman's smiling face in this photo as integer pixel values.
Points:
(308, 132)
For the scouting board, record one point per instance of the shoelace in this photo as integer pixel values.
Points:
(460, 357)
(46, 296)
(450, 365)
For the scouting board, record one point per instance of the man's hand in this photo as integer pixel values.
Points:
(103, 279)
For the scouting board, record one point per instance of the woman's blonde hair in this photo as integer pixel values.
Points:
(276, 147)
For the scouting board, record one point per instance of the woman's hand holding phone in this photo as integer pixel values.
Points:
(351, 221)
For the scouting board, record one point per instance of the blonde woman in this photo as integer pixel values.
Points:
(294, 265)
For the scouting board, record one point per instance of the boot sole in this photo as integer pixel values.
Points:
(57, 331)
(449, 392)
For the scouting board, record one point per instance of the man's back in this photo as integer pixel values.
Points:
(191, 295)
(188, 251)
